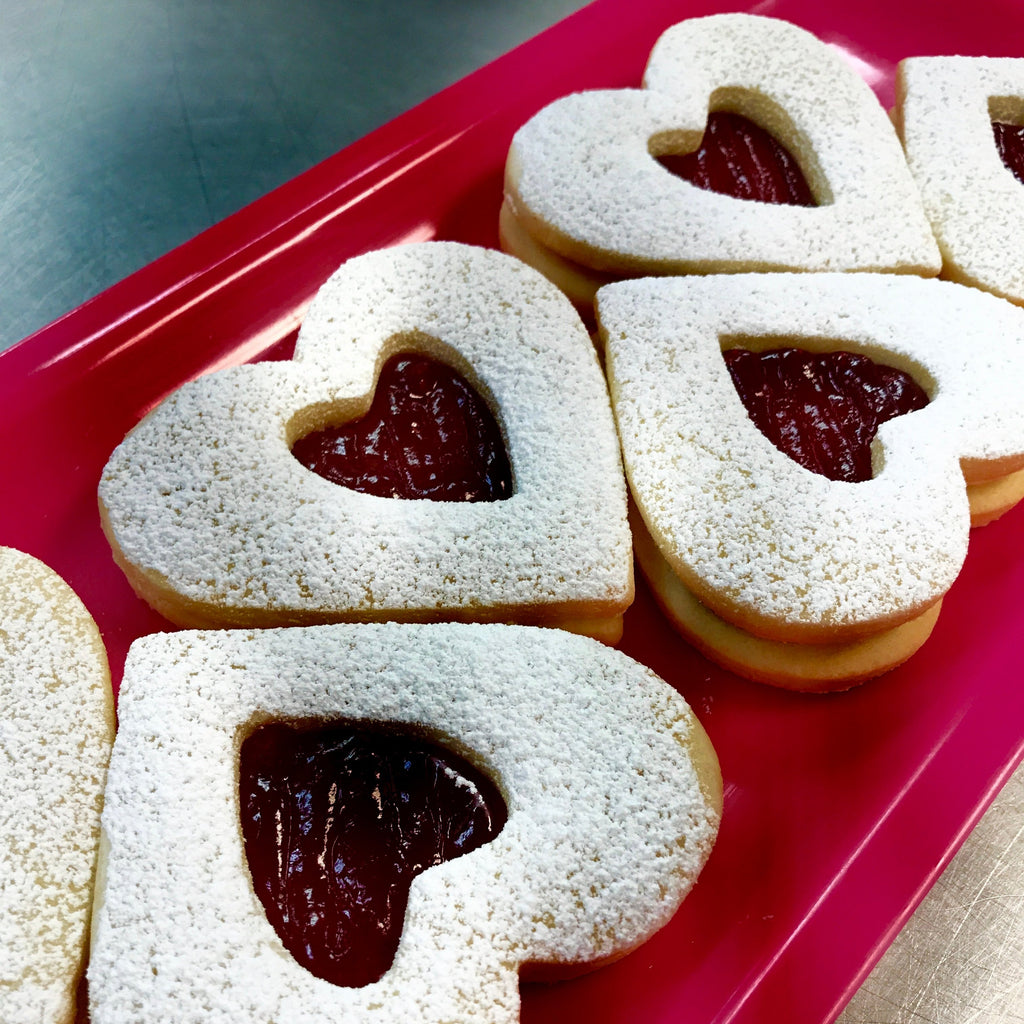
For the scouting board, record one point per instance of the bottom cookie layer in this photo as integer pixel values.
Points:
(579, 283)
(990, 499)
(819, 668)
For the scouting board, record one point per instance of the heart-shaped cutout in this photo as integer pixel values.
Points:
(338, 820)
(822, 409)
(1010, 143)
(785, 554)
(737, 157)
(216, 522)
(427, 434)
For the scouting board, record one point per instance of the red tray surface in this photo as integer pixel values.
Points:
(839, 811)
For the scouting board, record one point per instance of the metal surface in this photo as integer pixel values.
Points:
(128, 126)
(960, 958)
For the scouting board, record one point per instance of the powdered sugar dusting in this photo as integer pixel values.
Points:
(608, 823)
(945, 106)
(753, 534)
(218, 523)
(581, 174)
(55, 736)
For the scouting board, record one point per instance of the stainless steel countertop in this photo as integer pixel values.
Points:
(128, 126)
(960, 958)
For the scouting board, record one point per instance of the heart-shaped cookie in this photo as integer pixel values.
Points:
(584, 186)
(55, 740)
(744, 538)
(216, 522)
(612, 790)
(945, 110)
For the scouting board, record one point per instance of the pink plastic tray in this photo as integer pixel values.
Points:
(840, 811)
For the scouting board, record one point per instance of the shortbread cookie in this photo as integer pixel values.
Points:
(215, 522)
(769, 547)
(55, 737)
(584, 185)
(948, 111)
(611, 786)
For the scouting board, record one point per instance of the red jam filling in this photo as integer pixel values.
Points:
(822, 410)
(1010, 143)
(337, 821)
(740, 159)
(427, 434)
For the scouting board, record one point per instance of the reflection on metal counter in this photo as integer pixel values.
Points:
(960, 958)
(128, 126)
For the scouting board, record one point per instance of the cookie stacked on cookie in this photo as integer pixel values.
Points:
(217, 522)
(776, 570)
(594, 191)
(753, 147)
(972, 191)
(611, 789)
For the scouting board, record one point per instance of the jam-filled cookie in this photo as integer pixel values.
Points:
(55, 740)
(279, 785)
(789, 564)
(440, 447)
(960, 120)
(752, 146)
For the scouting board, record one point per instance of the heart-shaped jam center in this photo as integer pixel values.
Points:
(740, 159)
(822, 409)
(1010, 143)
(337, 821)
(428, 434)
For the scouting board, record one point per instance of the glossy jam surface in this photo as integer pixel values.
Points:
(740, 159)
(427, 434)
(1010, 143)
(822, 409)
(337, 821)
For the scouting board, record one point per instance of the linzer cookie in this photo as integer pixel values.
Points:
(769, 540)
(960, 119)
(752, 146)
(505, 798)
(55, 740)
(440, 447)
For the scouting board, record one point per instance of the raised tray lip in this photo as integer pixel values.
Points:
(141, 302)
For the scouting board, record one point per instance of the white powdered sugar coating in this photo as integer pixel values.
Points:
(583, 177)
(945, 107)
(608, 825)
(56, 730)
(205, 497)
(760, 539)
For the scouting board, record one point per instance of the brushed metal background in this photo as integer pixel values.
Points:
(960, 958)
(128, 126)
